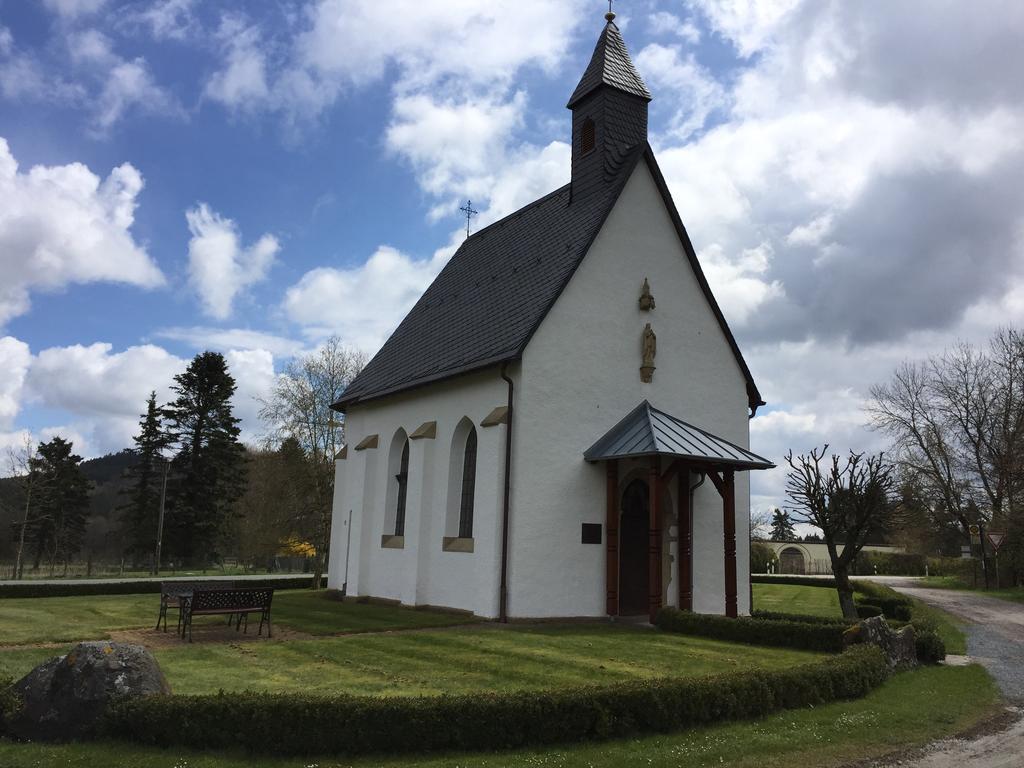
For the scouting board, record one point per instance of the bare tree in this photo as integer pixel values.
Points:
(20, 466)
(300, 407)
(847, 499)
(760, 524)
(956, 422)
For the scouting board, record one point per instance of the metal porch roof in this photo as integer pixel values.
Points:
(646, 431)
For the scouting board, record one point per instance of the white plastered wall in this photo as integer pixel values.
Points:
(580, 376)
(422, 573)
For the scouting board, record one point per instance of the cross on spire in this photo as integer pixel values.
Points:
(470, 213)
(611, 14)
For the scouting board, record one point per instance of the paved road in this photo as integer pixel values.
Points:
(995, 638)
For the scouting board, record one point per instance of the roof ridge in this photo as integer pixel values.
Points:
(514, 213)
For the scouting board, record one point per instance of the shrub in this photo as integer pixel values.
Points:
(898, 608)
(9, 701)
(755, 631)
(295, 724)
(930, 648)
(892, 563)
(760, 556)
(865, 611)
(136, 587)
(802, 581)
(801, 617)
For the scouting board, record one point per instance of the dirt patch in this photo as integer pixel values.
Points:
(205, 633)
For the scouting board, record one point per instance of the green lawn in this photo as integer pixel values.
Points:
(909, 710)
(788, 598)
(446, 661)
(824, 601)
(26, 620)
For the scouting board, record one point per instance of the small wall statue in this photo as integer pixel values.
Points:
(646, 299)
(649, 349)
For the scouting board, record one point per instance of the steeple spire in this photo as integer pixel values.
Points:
(611, 66)
(609, 111)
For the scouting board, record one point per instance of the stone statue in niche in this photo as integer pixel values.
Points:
(646, 299)
(649, 349)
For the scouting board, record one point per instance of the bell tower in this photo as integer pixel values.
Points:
(609, 112)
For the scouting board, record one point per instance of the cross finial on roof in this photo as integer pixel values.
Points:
(470, 213)
(611, 14)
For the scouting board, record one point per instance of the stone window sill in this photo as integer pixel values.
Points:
(388, 541)
(455, 544)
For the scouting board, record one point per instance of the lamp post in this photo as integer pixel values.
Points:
(160, 519)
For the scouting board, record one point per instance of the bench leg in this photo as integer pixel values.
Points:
(161, 615)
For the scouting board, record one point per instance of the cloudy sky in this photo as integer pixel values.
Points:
(175, 176)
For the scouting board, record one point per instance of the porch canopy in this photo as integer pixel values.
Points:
(651, 433)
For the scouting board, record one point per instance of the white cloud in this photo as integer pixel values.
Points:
(242, 82)
(748, 24)
(665, 23)
(220, 269)
(14, 363)
(452, 145)
(681, 80)
(165, 19)
(124, 85)
(103, 392)
(362, 304)
(71, 9)
(61, 225)
(221, 339)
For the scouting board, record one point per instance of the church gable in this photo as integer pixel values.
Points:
(490, 299)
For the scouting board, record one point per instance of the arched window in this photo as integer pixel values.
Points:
(468, 487)
(588, 136)
(403, 484)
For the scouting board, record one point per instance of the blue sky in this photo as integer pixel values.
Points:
(253, 177)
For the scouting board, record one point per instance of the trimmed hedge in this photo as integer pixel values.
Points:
(29, 588)
(299, 725)
(797, 581)
(805, 618)
(865, 611)
(785, 633)
(890, 607)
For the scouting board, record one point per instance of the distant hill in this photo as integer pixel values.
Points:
(102, 537)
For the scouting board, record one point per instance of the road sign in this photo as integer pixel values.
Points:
(995, 538)
(975, 530)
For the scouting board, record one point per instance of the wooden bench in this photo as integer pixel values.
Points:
(230, 602)
(172, 594)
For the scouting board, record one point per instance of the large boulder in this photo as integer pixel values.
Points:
(63, 698)
(900, 646)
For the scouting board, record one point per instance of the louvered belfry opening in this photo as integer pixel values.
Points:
(609, 113)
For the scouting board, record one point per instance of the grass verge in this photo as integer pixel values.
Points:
(1014, 594)
(909, 710)
(451, 661)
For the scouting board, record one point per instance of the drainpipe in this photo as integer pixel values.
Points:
(503, 589)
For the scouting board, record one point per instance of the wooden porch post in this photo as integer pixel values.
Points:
(612, 539)
(729, 529)
(654, 540)
(684, 542)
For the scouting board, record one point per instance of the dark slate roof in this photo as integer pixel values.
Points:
(496, 290)
(493, 293)
(646, 431)
(610, 65)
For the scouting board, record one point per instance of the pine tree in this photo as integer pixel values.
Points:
(208, 472)
(782, 527)
(146, 475)
(58, 523)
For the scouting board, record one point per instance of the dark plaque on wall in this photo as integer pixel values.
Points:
(591, 533)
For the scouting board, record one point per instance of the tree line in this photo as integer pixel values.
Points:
(194, 494)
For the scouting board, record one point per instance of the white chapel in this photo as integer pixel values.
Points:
(559, 427)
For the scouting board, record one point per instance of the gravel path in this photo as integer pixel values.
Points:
(995, 639)
(995, 632)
